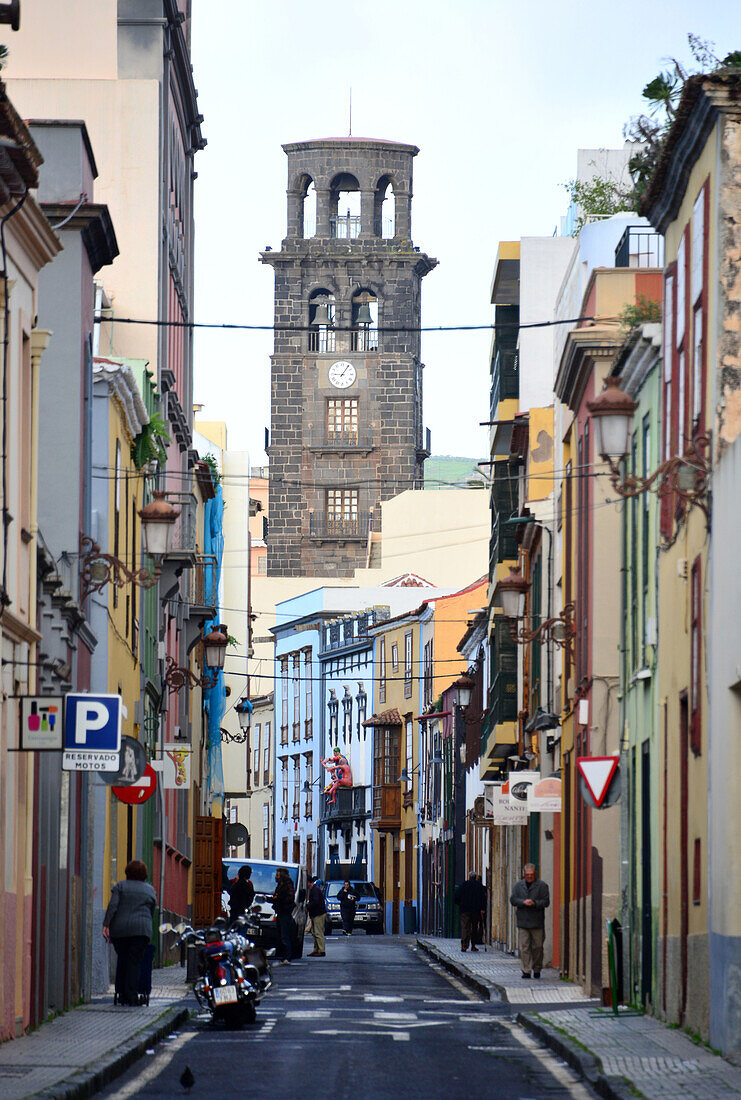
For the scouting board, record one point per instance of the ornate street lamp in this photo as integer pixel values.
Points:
(97, 569)
(244, 714)
(158, 518)
(559, 629)
(686, 475)
(214, 648)
(214, 652)
(464, 686)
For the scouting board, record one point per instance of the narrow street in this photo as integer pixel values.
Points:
(367, 1021)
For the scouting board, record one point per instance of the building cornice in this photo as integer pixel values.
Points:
(583, 346)
(705, 98)
(93, 221)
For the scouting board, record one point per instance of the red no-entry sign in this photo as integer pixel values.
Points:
(139, 792)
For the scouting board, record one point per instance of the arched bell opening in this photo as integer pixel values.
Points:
(309, 216)
(321, 321)
(364, 321)
(385, 209)
(344, 207)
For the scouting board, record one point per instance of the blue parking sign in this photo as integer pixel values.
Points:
(92, 724)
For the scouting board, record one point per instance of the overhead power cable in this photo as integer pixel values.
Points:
(240, 326)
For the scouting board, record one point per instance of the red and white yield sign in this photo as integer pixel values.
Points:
(597, 772)
(139, 792)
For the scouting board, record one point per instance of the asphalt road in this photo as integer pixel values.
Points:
(375, 1019)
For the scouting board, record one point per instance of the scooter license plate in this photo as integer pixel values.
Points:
(225, 995)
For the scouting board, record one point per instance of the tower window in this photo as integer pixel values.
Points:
(342, 420)
(342, 511)
(321, 321)
(344, 199)
(364, 333)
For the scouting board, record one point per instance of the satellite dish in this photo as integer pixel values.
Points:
(236, 835)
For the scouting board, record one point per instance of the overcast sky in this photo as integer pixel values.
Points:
(497, 96)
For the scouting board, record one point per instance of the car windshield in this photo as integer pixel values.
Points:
(360, 889)
(263, 874)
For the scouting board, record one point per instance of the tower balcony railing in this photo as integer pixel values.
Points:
(364, 339)
(342, 440)
(322, 340)
(331, 525)
(344, 227)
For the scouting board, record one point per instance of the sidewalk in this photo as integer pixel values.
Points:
(82, 1050)
(499, 976)
(621, 1057)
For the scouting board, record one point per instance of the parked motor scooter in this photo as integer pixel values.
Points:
(234, 974)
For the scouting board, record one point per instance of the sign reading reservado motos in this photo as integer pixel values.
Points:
(92, 733)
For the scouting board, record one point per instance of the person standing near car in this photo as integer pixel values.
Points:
(531, 898)
(318, 912)
(242, 893)
(348, 902)
(284, 900)
(127, 924)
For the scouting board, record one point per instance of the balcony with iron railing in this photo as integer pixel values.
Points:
(203, 586)
(344, 227)
(505, 378)
(183, 538)
(328, 525)
(331, 441)
(640, 246)
(350, 802)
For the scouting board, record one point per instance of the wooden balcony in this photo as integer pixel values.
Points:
(387, 807)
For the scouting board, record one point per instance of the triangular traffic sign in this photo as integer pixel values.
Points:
(597, 772)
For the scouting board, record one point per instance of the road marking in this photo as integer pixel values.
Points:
(554, 1065)
(154, 1069)
(398, 1036)
(310, 1014)
(394, 1015)
(374, 998)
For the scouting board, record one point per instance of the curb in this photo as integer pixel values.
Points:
(585, 1063)
(486, 989)
(86, 1083)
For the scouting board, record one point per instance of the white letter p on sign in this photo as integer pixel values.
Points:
(89, 716)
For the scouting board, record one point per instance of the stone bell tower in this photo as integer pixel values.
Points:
(346, 378)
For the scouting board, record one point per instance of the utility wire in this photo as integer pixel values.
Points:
(492, 327)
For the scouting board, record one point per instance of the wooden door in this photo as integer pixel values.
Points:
(207, 870)
(684, 877)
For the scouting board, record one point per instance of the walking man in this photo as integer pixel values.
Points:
(530, 898)
(318, 912)
(347, 899)
(468, 899)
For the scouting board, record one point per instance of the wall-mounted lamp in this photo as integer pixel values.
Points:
(406, 774)
(685, 475)
(214, 654)
(559, 629)
(97, 569)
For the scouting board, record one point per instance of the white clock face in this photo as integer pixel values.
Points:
(342, 374)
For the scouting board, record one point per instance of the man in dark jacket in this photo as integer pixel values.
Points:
(348, 900)
(284, 900)
(317, 911)
(530, 898)
(468, 898)
(242, 893)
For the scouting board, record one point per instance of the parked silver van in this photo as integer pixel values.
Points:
(263, 880)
